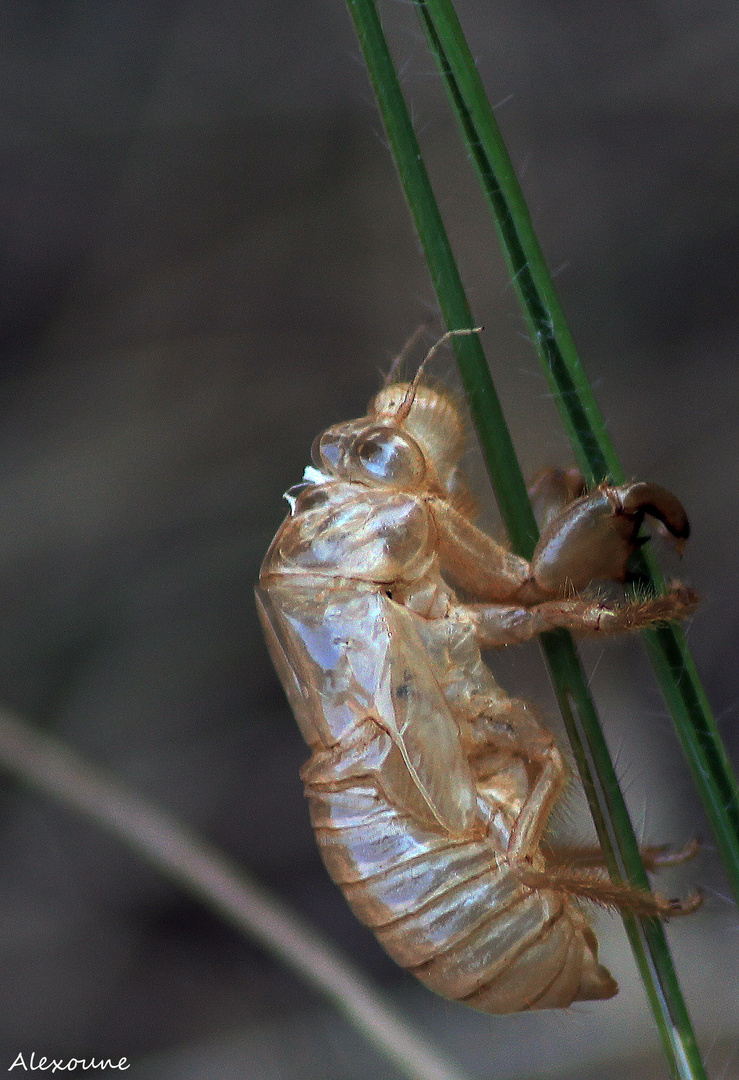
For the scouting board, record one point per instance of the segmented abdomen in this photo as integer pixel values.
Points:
(449, 909)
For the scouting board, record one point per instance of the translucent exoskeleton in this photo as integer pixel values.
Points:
(429, 787)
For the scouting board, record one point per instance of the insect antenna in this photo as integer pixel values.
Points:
(405, 406)
(398, 361)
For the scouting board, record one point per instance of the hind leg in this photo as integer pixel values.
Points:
(602, 890)
(654, 857)
(510, 727)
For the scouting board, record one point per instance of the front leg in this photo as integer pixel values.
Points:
(590, 539)
(593, 537)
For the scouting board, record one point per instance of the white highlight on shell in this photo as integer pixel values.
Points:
(314, 476)
(311, 475)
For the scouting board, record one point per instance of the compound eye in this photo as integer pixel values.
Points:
(388, 456)
(327, 450)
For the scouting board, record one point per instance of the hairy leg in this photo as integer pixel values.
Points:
(601, 890)
(507, 624)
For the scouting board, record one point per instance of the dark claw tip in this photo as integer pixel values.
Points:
(645, 498)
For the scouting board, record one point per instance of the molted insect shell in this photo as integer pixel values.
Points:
(430, 789)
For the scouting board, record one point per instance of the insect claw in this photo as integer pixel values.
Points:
(690, 850)
(684, 907)
(594, 536)
(657, 858)
(642, 497)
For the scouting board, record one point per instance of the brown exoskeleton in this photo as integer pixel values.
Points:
(430, 789)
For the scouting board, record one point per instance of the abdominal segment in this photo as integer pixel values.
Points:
(450, 909)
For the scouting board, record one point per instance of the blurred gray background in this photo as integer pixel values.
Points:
(206, 260)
